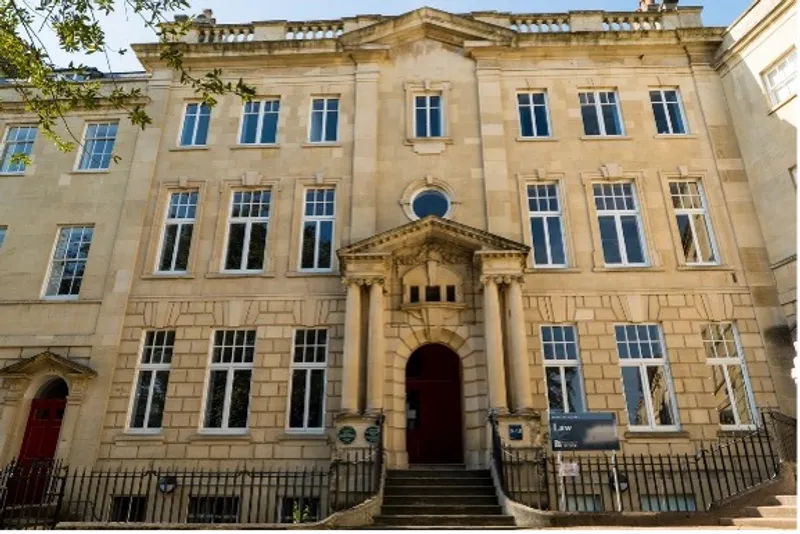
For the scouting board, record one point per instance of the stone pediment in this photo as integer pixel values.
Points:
(416, 236)
(45, 361)
(428, 23)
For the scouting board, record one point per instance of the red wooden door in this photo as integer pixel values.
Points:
(41, 434)
(434, 432)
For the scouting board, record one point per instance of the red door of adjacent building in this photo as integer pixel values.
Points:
(434, 430)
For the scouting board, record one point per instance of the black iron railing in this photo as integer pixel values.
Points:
(690, 482)
(41, 497)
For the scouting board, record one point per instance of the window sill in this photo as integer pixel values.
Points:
(17, 173)
(254, 146)
(675, 136)
(327, 144)
(167, 276)
(303, 436)
(60, 298)
(259, 274)
(426, 305)
(554, 270)
(537, 139)
(606, 138)
(657, 434)
(777, 107)
(89, 171)
(629, 269)
(137, 437)
(50, 300)
(188, 148)
(710, 267)
(311, 274)
(217, 437)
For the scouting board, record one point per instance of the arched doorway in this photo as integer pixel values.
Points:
(44, 423)
(434, 426)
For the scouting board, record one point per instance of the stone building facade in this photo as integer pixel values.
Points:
(430, 216)
(757, 64)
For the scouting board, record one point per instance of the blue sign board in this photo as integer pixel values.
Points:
(515, 432)
(588, 431)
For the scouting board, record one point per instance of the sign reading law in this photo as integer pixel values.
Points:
(588, 431)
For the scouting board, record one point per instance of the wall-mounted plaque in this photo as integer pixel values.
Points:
(346, 435)
(372, 434)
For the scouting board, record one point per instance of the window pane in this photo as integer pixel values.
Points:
(611, 119)
(634, 396)
(525, 120)
(687, 239)
(316, 126)
(706, 252)
(309, 245)
(202, 125)
(185, 241)
(240, 399)
(159, 397)
(539, 241)
(269, 128)
(140, 401)
(591, 125)
(188, 126)
(555, 396)
(332, 126)
(608, 236)
(422, 121)
(740, 395)
(436, 122)
(316, 398)
(297, 409)
(249, 127)
(215, 403)
(677, 119)
(633, 244)
(659, 395)
(573, 384)
(258, 243)
(233, 259)
(542, 128)
(556, 241)
(662, 125)
(325, 244)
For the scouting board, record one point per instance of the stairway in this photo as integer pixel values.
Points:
(779, 511)
(441, 496)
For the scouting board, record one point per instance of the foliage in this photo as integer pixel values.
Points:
(50, 95)
(298, 516)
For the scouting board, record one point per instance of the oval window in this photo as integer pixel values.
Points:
(430, 202)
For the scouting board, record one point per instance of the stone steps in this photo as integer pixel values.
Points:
(776, 512)
(771, 511)
(783, 523)
(441, 497)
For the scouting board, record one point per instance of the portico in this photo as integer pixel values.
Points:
(435, 281)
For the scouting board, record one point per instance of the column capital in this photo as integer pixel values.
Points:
(499, 279)
(363, 280)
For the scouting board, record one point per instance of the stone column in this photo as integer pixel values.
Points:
(365, 147)
(352, 347)
(518, 346)
(495, 368)
(375, 363)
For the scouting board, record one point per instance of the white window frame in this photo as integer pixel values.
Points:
(85, 146)
(3, 235)
(546, 214)
(325, 111)
(725, 362)
(696, 211)
(4, 146)
(153, 368)
(53, 260)
(308, 367)
(529, 109)
(180, 222)
(230, 368)
(642, 364)
(248, 222)
(562, 365)
(317, 219)
(618, 214)
(260, 121)
(665, 105)
(790, 81)
(598, 106)
(427, 107)
(196, 123)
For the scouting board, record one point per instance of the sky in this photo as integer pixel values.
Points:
(122, 30)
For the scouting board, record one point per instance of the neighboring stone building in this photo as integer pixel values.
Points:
(593, 246)
(758, 67)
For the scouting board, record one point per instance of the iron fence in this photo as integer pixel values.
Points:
(44, 495)
(690, 482)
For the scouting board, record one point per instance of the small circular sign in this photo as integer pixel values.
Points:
(346, 435)
(372, 434)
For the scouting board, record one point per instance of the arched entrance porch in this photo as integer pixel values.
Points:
(434, 406)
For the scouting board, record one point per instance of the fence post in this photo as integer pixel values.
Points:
(708, 478)
(60, 497)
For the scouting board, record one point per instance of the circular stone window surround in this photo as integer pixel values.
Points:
(419, 186)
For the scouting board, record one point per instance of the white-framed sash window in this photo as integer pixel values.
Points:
(562, 369)
(17, 140)
(694, 225)
(319, 214)
(668, 112)
(308, 380)
(620, 224)
(260, 122)
(229, 377)
(152, 379)
(176, 239)
(196, 119)
(69, 262)
(246, 240)
(428, 116)
(601, 113)
(547, 228)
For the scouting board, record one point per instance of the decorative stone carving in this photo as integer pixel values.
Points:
(502, 278)
(434, 251)
(611, 170)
